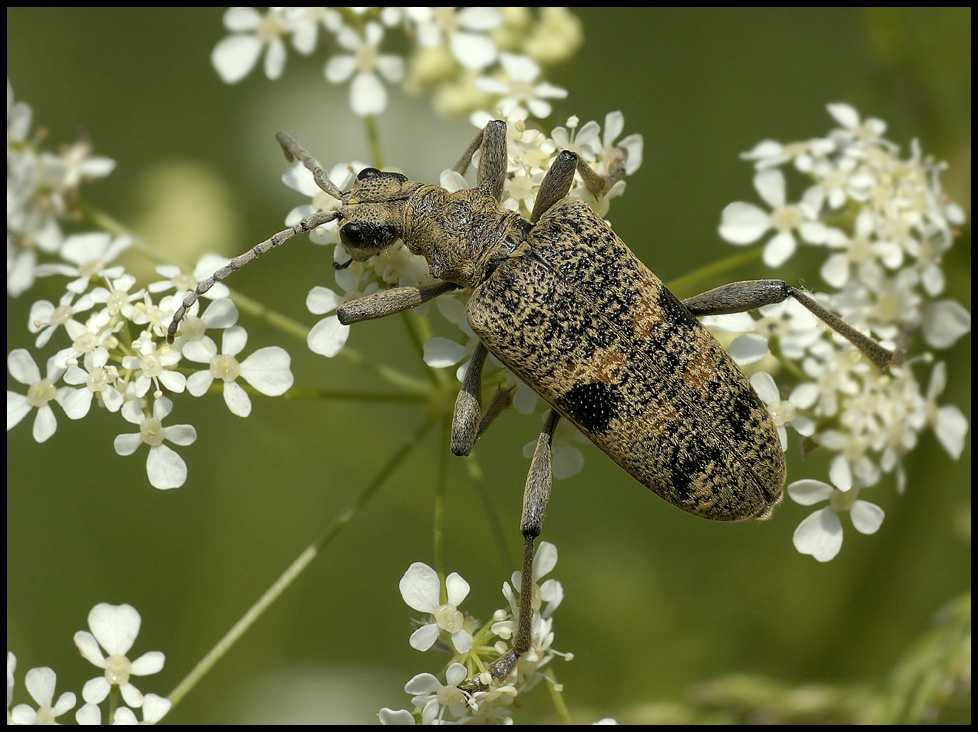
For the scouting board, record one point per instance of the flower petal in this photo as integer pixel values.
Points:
(114, 626)
(235, 56)
(267, 369)
(866, 517)
(819, 535)
(424, 637)
(420, 587)
(457, 588)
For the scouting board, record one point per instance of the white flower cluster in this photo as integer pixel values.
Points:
(474, 648)
(113, 629)
(118, 358)
(477, 58)
(884, 223)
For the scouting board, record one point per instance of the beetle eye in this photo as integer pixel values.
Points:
(352, 236)
(367, 237)
(368, 173)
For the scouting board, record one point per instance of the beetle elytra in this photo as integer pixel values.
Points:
(562, 302)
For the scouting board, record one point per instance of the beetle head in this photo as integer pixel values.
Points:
(372, 217)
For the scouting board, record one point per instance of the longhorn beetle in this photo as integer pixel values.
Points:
(562, 302)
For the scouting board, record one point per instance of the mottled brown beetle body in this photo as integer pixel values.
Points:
(564, 304)
(581, 320)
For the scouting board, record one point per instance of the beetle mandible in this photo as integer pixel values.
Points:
(562, 302)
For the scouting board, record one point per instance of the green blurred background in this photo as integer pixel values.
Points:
(656, 600)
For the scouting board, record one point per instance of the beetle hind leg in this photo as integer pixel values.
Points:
(739, 297)
(535, 498)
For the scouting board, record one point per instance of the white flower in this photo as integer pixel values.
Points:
(219, 314)
(521, 88)
(854, 128)
(236, 55)
(165, 468)
(77, 164)
(40, 684)
(45, 318)
(820, 535)
(267, 369)
(154, 709)
(434, 697)
(91, 254)
(114, 628)
(464, 29)
(856, 251)
(944, 322)
(328, 336)
(177, 279)
(96, 379)
(117, 300)
(611, 146)
(421, 588)
(89, 714)
(948, 422)
(154, 365)
(40, 393)
(367, 94)
(551, 592)
(745, 223)
(784, 412)
(584, 140)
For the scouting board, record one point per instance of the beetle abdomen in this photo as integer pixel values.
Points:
(601, 339)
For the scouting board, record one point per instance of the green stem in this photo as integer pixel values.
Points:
(373, 141)
(711, 271)
(557, 696)
(439, 524)
(296, 568)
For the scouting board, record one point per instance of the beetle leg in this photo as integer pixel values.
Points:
(557, 182)
(493, 158)
(502, 399)
(466, 160)
(468, 405)
(470, 421)
(739, 297)
(387, 302)
(535, 498)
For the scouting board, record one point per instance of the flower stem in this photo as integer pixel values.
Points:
(296, 568)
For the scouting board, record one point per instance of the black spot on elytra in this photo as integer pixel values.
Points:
(592, 406)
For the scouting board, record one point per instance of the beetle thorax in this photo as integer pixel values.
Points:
(461, 233)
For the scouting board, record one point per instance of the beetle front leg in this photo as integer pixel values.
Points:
(738, 297)
(388, 302)
(535, 499)
(491, 143)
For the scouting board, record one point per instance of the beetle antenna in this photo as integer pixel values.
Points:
(307, 224)
(294, 151)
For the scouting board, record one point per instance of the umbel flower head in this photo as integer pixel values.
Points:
(884, 223)
(438, 701)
